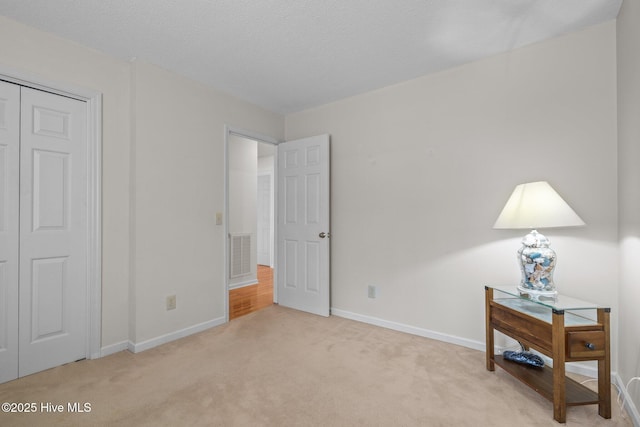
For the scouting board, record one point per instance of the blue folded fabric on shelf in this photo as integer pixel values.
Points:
(524, 357)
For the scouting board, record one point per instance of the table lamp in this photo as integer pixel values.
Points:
(536, 205)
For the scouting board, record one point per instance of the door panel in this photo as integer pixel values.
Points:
(9, 228)
(50, 190)
(303, 211)
(49, 285)
(53, 231)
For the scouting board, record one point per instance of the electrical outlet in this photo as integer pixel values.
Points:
(372, 291)
(171, 302)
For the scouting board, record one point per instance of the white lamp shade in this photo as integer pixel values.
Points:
(536, 205)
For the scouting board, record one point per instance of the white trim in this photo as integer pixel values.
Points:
(114, 348)
(401, 327)
(225, 221)
(250, 135)
(172, 336)
(94, 255)
(229, 130)
(244, 283)
(276, 227)
(629, 405)
(587, 368)
(34, 81)
(575, 368)
(94, 190)
(580, 369)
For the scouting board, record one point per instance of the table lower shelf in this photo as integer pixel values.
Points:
(541, 380)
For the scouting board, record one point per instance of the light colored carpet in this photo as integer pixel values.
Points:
(280, 367)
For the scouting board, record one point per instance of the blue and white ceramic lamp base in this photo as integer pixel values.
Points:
(537, 262)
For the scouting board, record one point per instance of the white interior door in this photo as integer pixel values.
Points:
(43, 223)
(303, 224)
(53, 231)
(9, 228)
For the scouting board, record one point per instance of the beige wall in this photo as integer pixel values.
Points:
(421, 170)
(629, 192)
(178, 186)
(37, 53)
(162, 181)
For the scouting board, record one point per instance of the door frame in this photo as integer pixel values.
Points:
(243, 133)
(93, 100)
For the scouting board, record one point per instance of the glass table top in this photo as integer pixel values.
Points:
(542, 307)
(560, 302)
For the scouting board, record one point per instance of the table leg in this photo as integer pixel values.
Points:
(604, 368)
(489, 350)
(558, 350)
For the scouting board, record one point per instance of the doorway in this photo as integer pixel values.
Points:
(250, 225)
(301, 273)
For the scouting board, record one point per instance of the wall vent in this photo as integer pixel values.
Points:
(240, 255)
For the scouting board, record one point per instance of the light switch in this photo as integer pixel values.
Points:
(218, 218)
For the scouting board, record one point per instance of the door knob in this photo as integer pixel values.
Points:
(323, 235)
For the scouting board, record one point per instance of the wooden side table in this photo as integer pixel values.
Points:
(560, 329)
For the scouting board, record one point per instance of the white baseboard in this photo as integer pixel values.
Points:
(629, 406)
(589, 371)
(401, 327)
(580, 369)
(114, 348)
(163, 339)
(154, 342)
(575, 368)
(247, 282)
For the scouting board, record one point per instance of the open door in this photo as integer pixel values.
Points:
(303, 225)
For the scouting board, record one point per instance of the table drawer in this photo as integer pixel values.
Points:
(586, 345)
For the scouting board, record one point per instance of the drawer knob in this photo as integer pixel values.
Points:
(590, 346)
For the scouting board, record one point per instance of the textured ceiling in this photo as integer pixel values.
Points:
(289, 55)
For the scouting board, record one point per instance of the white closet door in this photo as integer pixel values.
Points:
(53, 231)
(9, 225)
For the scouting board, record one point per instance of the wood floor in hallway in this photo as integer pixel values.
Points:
(251, 298)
